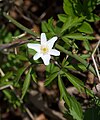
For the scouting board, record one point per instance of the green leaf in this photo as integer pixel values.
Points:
(34, 77)
(50, 25)
(93, 18)
(19, 25)
(17, 32)
(44, 27)
(89, 5)
(82, 67)
(78, 83)
(69, 43)
(92, 113)
(8, 38)
(86, 44)
(79, 67)
(67, 24)
(64, 63)
(62, 17)
(57, 28)
(51, 68)
(21, 57)
(19, 73)
(26, 84)
(71, 22)
(79, 36)
(7, 76)
(77, 57)
(68, 8)
(51, 78)
(85, 56)
(63, 93)
(86, 28)
(12, 98)
(74, 107)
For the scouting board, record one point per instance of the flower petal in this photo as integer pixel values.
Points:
(54, 52)
(46, 59)
(36, 47)
(51, 42)
(37, 56)
(43, 38)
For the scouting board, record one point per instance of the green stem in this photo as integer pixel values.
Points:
(19, 25)
(78, 58)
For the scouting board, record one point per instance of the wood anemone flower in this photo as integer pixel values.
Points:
(44, 50)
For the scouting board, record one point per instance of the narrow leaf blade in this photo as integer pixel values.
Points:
(26, 84)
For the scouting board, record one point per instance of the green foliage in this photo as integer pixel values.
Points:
(26, 84)
(12, 98)
(71, 28)
(86, 28)
(86, 45)
(79, 36)
(78, 83)
(5, 36)
(92, 113)
(18, 75)
(74, 108)
(52, 72)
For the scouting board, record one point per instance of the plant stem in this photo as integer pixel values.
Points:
(19, 25)
(78, 58)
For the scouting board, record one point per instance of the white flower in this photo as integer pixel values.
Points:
(44, 50)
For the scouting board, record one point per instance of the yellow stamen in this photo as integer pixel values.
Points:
(44, 49)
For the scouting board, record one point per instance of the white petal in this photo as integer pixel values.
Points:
(54, 52)
(43, 38)
(46, 59)
(51, 42)
(36, 47)
(37, 56)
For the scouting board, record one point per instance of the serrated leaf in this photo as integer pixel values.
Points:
(75, 81)
(71, 22)
(76, 110)
(86, 28)
(26, 84)
(78, 83)
(74, 107)
(68, 8)
(93, 18)
(89, 5)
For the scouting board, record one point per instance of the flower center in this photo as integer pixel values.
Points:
(44, 49)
